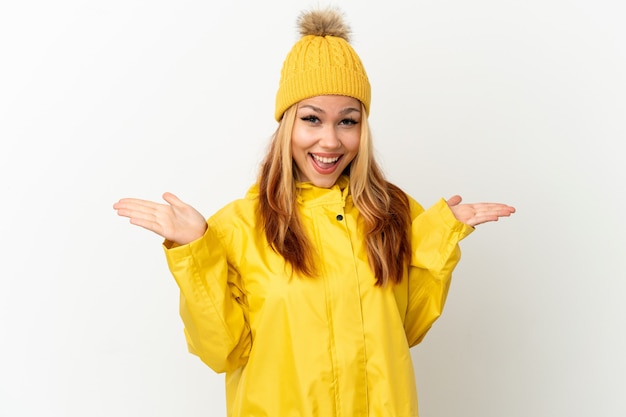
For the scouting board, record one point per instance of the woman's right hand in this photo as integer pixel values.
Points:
(175, 221)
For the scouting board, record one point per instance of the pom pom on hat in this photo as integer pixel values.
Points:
(322, 62)
(327, 22)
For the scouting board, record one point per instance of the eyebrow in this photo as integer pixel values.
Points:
(319, 110)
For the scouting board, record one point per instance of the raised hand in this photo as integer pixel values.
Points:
(478, 213)
(175, 221)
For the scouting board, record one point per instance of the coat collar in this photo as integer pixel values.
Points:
(309, 195)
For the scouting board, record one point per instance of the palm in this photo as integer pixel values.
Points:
(175, 221)
(478, 213)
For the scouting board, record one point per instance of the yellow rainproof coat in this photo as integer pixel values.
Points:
(330, 346)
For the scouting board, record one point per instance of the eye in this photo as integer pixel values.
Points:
(348, 122)
(310, 119)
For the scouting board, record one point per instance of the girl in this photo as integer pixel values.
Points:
(310, 291)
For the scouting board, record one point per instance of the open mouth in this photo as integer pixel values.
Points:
(325, 164)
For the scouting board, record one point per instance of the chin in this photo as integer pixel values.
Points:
(324, 182)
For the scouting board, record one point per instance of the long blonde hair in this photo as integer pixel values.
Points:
(384, 207)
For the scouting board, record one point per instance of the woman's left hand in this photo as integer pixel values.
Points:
(478, 213)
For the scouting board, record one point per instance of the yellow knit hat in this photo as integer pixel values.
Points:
(322, 62)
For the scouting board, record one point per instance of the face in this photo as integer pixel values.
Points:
(325, 138)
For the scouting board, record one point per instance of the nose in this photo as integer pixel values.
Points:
(329, 138)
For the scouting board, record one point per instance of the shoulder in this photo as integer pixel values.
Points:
(238, 214)
(415, 208)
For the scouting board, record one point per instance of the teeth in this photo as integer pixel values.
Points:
(325, 160)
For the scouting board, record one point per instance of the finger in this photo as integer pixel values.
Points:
(131, 203)
(454, 200)
(138, 213)
(492, 215)
(172, 199)
(494, 207)
(481, 218)
(503, 210)
(148, 225)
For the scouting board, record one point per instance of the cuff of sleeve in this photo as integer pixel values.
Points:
(169, 245)
(448, 218)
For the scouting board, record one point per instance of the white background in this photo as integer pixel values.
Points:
(518, 102)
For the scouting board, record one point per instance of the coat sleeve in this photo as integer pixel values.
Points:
(211, 303)
(435, 237)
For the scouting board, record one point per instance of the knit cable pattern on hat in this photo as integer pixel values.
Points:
(321, 65)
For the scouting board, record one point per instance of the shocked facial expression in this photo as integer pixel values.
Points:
(325, 138)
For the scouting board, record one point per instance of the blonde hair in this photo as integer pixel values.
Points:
(383, 206)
